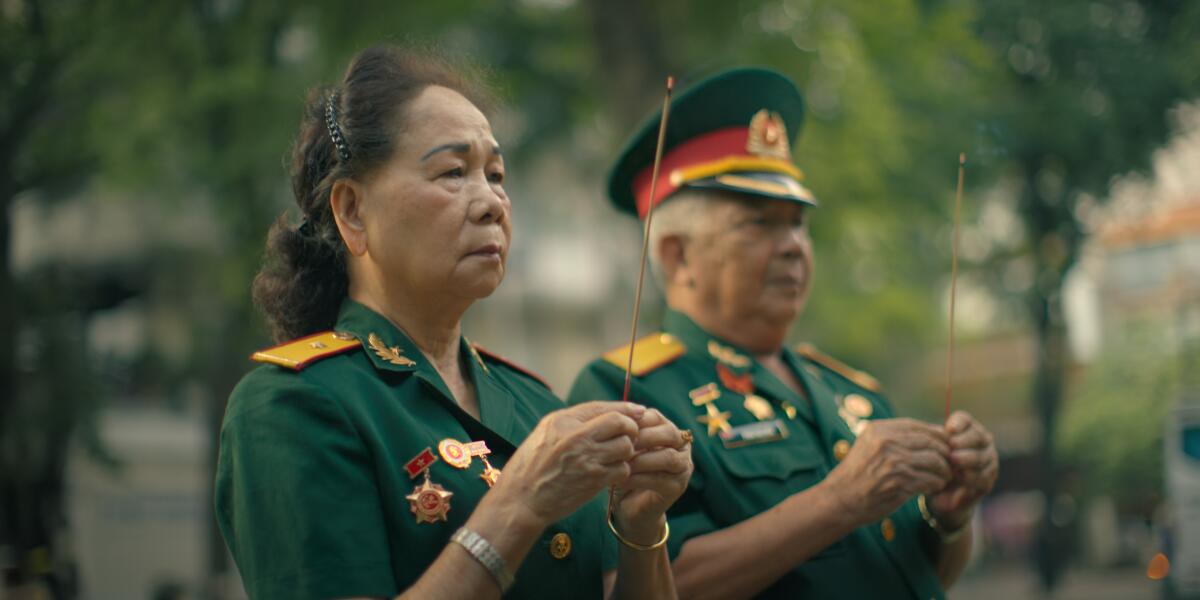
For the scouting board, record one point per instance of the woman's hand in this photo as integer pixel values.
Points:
(659, 474)
(571, 456)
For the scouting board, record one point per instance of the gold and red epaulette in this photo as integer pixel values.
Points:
(860, 378)
(301, 352)
(649, 353)
(480, 350)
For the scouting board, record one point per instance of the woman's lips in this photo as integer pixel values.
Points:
(487, 250)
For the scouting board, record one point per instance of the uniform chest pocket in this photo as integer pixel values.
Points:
(764, 475)
(779, 460)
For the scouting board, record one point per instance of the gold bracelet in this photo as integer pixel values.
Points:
(946, 536)
(635, 545)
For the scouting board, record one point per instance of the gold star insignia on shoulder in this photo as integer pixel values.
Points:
(391, 354)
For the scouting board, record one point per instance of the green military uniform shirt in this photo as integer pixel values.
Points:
(311, 483)
(757, 442)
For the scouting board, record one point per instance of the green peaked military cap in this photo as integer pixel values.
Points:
(732, 131)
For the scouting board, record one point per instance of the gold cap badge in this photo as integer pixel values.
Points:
(768, 136)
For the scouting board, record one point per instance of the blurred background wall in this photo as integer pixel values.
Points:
(143, 151)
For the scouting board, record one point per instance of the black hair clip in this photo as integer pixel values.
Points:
(335, 132)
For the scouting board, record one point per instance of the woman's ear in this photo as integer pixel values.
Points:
(346, 203)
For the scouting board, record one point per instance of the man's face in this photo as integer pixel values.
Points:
(752, 258)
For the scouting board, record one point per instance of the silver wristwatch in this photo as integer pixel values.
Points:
(482, 551)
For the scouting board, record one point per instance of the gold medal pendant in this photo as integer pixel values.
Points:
(429, 501)
(490, 474)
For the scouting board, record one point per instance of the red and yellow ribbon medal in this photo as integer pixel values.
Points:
(429, 501)
(458, 455)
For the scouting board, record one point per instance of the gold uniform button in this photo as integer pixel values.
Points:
(888, 529)
(560, 545)
(841, 449)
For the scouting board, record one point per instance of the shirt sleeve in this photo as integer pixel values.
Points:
(688, 520)
(295, 495)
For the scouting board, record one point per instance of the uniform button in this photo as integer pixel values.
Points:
(560, 545)
(841, 449)
(888, 529)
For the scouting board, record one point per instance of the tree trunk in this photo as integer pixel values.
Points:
(629, 56)
(1048, 384)
(1055, 240)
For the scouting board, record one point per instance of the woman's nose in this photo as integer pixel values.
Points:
(487, 204)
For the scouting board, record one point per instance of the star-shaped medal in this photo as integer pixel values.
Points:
(429, 501)
(715, 420)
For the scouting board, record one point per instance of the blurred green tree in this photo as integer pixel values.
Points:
(1112, 427)
(1084, 99)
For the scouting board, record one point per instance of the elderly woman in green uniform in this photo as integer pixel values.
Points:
(807, 485)
(379, 453)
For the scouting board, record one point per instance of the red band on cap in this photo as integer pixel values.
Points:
(714, 145)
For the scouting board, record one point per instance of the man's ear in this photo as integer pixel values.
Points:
(346, 202)
(672, 257)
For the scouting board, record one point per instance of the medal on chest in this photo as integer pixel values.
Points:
(429, 502)
(855, 410)
(490, 474)
(458, 455)
(744, 384)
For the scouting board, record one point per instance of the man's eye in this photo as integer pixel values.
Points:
(497, 177)
(455, 172)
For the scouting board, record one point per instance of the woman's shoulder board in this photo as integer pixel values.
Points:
(302, 352)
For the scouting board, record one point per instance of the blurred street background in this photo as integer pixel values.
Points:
(143, 151)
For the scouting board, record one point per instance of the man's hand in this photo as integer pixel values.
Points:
(892, 461)
(975, 463)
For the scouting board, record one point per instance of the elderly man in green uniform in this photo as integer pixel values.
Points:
(806, 483)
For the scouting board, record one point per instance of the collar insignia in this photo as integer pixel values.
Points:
(392, 355)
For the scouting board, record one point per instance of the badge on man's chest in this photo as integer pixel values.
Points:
(743, 384)
(760, 432)
(855, 410)
(429, 502)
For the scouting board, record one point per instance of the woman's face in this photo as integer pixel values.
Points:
(753, 260)
(435, 216)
